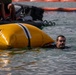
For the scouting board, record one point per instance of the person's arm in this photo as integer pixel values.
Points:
(49, 45)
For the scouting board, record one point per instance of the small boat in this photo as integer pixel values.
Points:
(38, 24)
(23, 10)
(21, 35)
(36, 14)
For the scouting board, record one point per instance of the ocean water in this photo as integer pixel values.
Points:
(48, 4)
(45, 61)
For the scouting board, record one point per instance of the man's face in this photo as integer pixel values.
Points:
(60, 43)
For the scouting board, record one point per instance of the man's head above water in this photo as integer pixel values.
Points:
(60, 42)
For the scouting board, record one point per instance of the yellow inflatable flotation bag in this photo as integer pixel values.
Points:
(21, 35)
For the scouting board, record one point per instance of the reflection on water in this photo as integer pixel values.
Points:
(11, 62)
(45, 61)
(4, 61)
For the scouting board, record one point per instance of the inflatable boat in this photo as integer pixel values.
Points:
(38, 24)
(21, 35)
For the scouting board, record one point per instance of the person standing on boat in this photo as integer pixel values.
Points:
(7, 9)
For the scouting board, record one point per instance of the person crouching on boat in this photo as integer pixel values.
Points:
(7, 9)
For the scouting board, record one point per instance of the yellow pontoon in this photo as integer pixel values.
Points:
(21, 35)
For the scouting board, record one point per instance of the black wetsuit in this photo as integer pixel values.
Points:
(54, 46)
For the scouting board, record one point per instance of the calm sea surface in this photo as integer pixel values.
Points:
(45, 61)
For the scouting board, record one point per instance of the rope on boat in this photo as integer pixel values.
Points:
(49, 23)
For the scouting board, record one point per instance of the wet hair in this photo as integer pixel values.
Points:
(60, 36)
